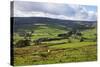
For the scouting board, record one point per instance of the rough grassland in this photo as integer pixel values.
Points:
(60, 51)
(39, 55)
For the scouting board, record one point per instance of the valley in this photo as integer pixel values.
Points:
(38, 40)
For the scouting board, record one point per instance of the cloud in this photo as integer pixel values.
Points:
(82, 13)
(92, 15)
(51, 10)
(39, 14)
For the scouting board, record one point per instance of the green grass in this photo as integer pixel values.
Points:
(90, 33)
(60, 50)
(74, 45)
(45, 31)
(78, 54)
(16, 38)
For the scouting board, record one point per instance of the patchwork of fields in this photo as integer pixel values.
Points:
(49, 44)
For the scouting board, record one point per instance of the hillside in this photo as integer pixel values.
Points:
(67, 24)
(38, 40)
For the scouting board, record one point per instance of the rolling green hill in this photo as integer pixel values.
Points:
(50, 42)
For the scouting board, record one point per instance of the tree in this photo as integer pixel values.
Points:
(22, 43)
(79, 34)
(69, 41)
(62, 35)
(82, 39)
(37, 42)
(26, 41)
(69, 33)
(28, 35)
(65, 35)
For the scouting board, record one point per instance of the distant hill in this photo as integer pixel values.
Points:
(20, 22)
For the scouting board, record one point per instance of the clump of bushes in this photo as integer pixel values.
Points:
(26, 41)
(82, 39)
(22, 43)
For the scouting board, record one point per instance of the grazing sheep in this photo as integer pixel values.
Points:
(48, 50)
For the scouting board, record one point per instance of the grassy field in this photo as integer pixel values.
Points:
(39, 55)
(55, 51)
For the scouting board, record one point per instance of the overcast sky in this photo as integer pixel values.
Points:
(54, 10)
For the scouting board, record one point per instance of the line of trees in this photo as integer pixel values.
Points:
(26, 41)
(69, 34)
